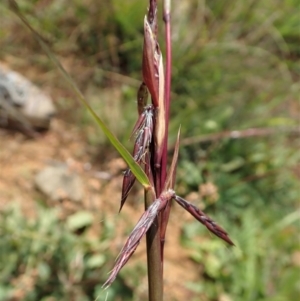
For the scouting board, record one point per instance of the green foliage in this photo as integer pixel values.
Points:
(239, 72)
(260, 267)
(236, 73)
(41, 259)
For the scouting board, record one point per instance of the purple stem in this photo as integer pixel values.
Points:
(166, 211)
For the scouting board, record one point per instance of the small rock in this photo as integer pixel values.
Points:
(58, 182)
(23, 101)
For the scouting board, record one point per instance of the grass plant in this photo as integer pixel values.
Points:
(150, 152)
(235, 70)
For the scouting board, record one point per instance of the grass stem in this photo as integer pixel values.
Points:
(155, 280)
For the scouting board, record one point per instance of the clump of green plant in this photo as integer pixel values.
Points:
(263, 266)
(42, 253)
(241, 80)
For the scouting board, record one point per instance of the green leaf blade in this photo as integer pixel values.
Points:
(135, 167)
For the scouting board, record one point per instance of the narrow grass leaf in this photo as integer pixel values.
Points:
(135, 168)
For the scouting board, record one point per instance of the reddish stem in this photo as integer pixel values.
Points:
(166, 211)
(166, 18)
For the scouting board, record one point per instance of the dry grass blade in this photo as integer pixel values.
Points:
(128, 181)
(160, 122)
(133, 241)
(204, 219)
(171, 177)
(150, 63)
(138, 232)
(169, 184)
(142, 97)
(143, 130)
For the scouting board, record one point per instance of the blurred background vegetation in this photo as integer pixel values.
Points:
(235, 93)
